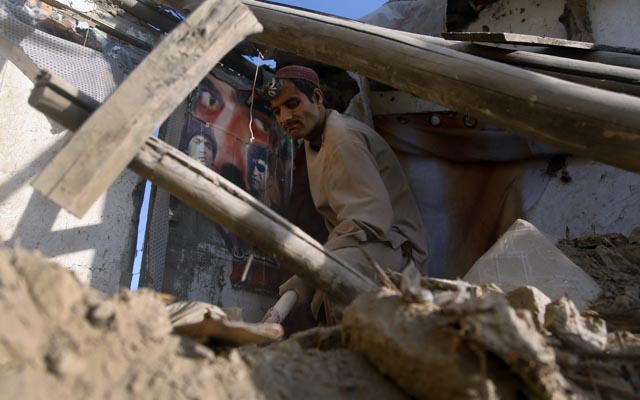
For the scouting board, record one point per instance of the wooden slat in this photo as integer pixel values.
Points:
(217, 198)
(590, 122)
(112, 136)
(532, 40)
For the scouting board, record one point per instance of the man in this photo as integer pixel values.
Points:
(356, 182)
(257, 171)
(201, 146)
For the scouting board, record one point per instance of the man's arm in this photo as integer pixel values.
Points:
(357, 195)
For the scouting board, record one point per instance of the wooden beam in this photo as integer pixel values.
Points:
(600, 65)
(602, 57)
(546, 62)
(532, 40)
(557, 60)
(217, 198)
(590, 122)
(112, 136)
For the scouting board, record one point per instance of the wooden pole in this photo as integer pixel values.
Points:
(220, 200)
(551, 63)
(590, 122)
(217, 198)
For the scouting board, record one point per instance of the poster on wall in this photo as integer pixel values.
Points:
(243, 143)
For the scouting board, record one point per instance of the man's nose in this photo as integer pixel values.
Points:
(285, 114)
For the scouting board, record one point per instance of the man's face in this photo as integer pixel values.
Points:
(258, 179)
(293, 110)
(201, 149)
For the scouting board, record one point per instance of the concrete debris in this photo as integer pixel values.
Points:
(408, 340)
(470, 347)
(523, 256)
(411, 288)
(586, 333)
(498, 328)
(317, 366)
(531, 299)
(613, 261)
(59, 339)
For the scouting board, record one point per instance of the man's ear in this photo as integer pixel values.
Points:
(317, 95)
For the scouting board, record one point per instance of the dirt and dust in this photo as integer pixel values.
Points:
(60, 339)
(613, 261)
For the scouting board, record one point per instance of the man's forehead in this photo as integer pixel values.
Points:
(287, 92)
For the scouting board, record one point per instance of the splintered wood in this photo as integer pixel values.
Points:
(111, 137)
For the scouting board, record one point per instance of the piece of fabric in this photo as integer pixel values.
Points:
(358, 186)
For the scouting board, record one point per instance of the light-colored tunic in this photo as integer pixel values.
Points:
(358, 186)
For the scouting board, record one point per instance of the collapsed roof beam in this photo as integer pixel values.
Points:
(590, 122)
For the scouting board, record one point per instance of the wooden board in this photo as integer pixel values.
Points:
(590, 122)
(532, 40)
(111, 137)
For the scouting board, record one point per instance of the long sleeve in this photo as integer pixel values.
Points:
(358, 186)
(357, 195)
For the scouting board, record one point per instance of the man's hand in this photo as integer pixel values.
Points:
(302, 289)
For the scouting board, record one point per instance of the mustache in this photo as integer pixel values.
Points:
(290, 123)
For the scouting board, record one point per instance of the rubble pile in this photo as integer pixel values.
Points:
(62, 340)
(424, 338)
(613, 261)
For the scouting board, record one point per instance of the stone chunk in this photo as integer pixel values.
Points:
(475, 349)
(563, 319)
(409, 340)
(523, 256)
(532, 299)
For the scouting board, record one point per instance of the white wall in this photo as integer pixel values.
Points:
(597, 198)
(615, 22)
(100, 247)
(530, 17)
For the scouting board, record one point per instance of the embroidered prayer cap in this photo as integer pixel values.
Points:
(298, 72)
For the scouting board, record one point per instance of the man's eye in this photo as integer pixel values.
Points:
(293, 104)
(276, 111)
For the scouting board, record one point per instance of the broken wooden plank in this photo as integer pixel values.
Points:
(61, 101)
(590, 122)
(112, 136)
(216, 198)
(532, 40)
